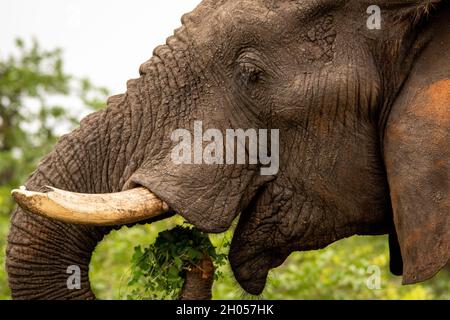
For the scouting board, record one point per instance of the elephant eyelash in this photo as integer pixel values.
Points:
(249, 72)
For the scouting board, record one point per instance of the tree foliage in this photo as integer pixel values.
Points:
(38, 101)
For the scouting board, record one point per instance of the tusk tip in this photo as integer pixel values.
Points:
(21, 189)
(23, 196)
(17, 192)
(20, 196)
(165, 207)
(28, 200)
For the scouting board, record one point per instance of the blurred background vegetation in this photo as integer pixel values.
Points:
(39, 101)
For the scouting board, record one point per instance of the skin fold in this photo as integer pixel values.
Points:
(364, 139)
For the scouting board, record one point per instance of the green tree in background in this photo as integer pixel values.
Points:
(33, 87)
(38, 102)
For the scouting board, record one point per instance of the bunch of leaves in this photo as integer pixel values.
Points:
(158, 270)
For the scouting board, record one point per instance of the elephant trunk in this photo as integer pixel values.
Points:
(49, 259)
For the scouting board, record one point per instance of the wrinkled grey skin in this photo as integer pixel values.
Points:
(309, 68)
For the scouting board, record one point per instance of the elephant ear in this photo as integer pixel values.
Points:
(417, 157)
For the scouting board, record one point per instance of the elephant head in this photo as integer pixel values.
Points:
(363, 117)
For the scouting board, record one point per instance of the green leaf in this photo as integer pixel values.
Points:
(194, 254)
(173, 272)
(178, 262)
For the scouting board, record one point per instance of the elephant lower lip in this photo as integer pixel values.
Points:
(254, 286)
(252, 272)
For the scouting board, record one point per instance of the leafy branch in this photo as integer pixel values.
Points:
(160, 270)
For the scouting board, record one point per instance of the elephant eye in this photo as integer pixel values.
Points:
(249, 73)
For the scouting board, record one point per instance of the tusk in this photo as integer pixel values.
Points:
(92, 209)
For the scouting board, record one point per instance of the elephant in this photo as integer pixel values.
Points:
(363, 116)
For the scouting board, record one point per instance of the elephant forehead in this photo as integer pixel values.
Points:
(228, 17)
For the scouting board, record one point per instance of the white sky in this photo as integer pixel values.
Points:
(105, 41)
